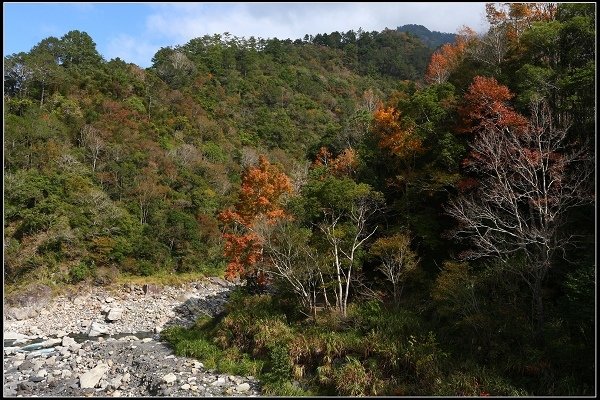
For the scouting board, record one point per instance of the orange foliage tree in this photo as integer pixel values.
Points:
(344, 164)
(262, 189)
(395, 135)
(448, 57)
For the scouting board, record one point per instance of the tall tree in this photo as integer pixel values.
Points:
(262, 191)
(529, 177)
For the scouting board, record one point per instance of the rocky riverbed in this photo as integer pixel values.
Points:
(106, 342)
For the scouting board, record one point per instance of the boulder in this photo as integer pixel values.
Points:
(169, 378)
(9, 335)
(91, 378)
(96, 329)
(50, 343)
(150, 289)
(36, 296)
(21, 313)
(243, 387)
(114, 314)
(68, 341)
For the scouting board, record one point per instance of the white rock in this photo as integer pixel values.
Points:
(68, 341)
(10, 350)
(114, 314)
(15, 336)
(91, 378)
(169, 378)
(244, 387)
(75, 347)
(186, 386)
(219, 382)
(96, 329)
(50, 342)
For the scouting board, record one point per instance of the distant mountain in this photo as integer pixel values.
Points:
(433, 39)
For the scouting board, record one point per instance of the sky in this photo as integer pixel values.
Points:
(135, 31)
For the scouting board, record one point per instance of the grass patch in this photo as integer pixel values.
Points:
(162, 278)
(360, 355)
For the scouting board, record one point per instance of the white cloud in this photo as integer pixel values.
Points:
(130, 49)
(182, 22)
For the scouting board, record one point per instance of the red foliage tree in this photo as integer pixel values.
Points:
(486, 105)
(262, 189)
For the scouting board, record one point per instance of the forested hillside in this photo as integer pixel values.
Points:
(433, 39)
(406, 222)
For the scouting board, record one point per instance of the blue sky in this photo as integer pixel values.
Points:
(135, 31)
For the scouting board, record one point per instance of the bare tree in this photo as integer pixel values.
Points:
(90, 138)
(529, 180)
(345, 240)
(490, 48)
(291, 260)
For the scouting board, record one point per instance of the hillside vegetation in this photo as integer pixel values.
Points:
(407, 218)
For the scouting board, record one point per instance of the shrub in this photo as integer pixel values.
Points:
(79, 272)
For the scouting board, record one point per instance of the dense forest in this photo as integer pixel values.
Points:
(408, 214)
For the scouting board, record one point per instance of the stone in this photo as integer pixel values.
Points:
(219, 281)
(116, 393)
(42, 373)
(37, 364)
(35, 378)
(36, 295)
(116, 381)
(243, 387)
(10, 350)
(25, 366)
(50, 343)
(150, 289)
(9, 335)
(169, 378)
(109, 300)
(186, 386)
(114, 314)
(91, 378)
(79, 301)
(24, 386)
(219, 382)
(68, 341)
(96, 329)
(34, 330)
(75, 348)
